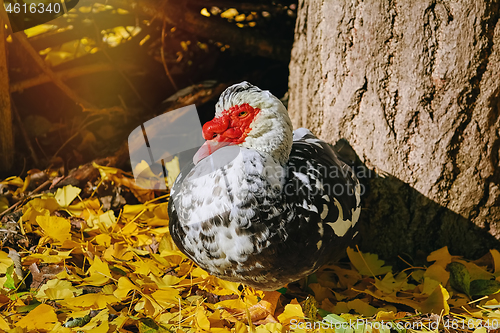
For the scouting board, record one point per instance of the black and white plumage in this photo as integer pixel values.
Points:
(260, 204)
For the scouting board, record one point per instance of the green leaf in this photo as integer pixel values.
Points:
(459, 277)
(10, 283)
(332, 318)
(323, 313)
(77, 322)
(282, 290)
(28, 308)
(484, 287)
(310, 308)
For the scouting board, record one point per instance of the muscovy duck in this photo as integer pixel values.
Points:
(262, 204)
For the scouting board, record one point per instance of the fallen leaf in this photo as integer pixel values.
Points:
(459, 277)
(64, 196)
(43, 317)
(367, 263)
(57, 228)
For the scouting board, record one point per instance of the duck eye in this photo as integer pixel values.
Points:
(215, 135)
(242, 114)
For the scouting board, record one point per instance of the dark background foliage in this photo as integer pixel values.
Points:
(121, 62)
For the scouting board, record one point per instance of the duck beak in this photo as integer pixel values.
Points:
(208, 148)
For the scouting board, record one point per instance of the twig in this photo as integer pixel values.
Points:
(21, 38)
(65, 74)
(35, 191)
(162, 51)
(75, 135)
(11, 208)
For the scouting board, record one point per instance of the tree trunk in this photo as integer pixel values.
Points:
(6, 135)
(414, 86)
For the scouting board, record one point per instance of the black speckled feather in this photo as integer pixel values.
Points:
(287, 228)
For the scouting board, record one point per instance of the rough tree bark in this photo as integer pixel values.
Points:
(414, 86)
(6, 134)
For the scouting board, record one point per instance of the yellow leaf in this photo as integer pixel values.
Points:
(98, 324)
(442, 257)
(437, 273)
(56, 289)
(231, 287)
(239, 327)
(291, 311)
(436, 302)
(4, 203)
(103, 239)
(99, 273)
(429, 285)
(149, 306)
(270, 328)
(90, 301)
(64, 196)
(120, 321)
(480, 330)
(362, 307)
(496, 260)
(130, 229)
(118, 251)
(39, 206)
(5, 262)
(131, 211)
(14, 180)
(85, 208)
(476, 272)
(166, 297)
(201, 319)
(50, 256)
(161, 211)
(385, 315)
(55, 227)
(165, 281)
(199, 272)
(124, 286)
(367, 263)
(145, 267)
(3, 324)
(237, 304)
(389, 284)
(104, 221)
(42, 317)
(341, 307)
(105, 171)
(173, 169)
(391, 299)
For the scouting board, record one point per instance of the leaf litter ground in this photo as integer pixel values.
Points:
(98, 257)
